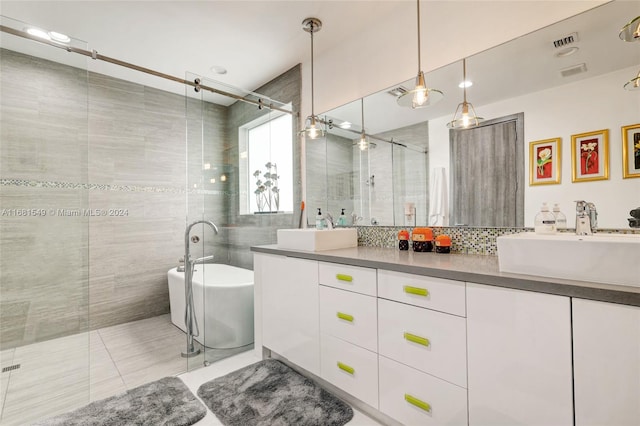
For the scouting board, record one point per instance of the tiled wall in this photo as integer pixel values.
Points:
(77, 140)
(330, 177)
(73, 140)
(465, 240)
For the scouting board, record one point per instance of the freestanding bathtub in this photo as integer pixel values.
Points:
(223, 304)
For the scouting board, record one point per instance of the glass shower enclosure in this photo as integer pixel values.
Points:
(44, 228)
(100, 177)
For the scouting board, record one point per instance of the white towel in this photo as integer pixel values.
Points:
(438, 198)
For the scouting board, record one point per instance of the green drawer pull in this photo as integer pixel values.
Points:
(345, 367)
(417, 339)
(344, 277)
(415, 401)
(416, 290)
(345, 317)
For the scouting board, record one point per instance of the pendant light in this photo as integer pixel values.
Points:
(312, 129)
(631, 32)
(633, 84)
(421, 96)
(363, 144)
(466, 119)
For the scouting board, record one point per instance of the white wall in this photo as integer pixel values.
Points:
(589, 105)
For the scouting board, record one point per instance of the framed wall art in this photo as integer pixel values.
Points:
(631, 151)
(545, 161)
(590, 156)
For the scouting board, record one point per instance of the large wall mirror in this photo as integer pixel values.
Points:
(402, 174)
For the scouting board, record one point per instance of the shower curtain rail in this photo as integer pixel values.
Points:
(378, 138)
(93, 54)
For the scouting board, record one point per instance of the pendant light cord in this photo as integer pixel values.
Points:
(418, 14)
(464, 78)
(362, 115)
(312, 100)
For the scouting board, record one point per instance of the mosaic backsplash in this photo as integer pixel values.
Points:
(467, 240)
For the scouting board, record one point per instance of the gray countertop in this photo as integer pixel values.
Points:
(463, 267)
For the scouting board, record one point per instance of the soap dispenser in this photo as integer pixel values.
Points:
(545, 221)
(319, 220)
(342, 220)
(561, 219)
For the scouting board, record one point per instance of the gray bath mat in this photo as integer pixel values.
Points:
(166, 401)
(269, 393)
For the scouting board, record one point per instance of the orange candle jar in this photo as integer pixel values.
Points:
(443, 244)
(422, 239)
(403, 240)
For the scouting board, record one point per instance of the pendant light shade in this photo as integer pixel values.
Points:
(631, 31)
(633, 84)
(421, 96)
(312, 127)
(465, 115)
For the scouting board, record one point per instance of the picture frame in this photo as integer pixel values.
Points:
(631, 151)
(590, 156)
(545, 160)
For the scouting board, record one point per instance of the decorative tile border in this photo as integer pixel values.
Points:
(467, 240)
(101, 187)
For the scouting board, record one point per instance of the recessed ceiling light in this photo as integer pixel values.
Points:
(36, 32)
(566, 52)
(465, 83)
(345, 125)
(219, 69)
(62, 38)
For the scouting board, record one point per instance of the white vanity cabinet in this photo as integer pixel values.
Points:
(432, 351)
(519, 357)
(349, 329)
(422, 349)
(606, 351)
(290, 308)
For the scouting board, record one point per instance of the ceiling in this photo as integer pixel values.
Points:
(254, 40)
(259, 40)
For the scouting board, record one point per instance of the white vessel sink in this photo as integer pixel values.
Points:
(602, 258)
(311, 239)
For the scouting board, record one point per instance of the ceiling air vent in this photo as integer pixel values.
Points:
(566, 40)
(573, 70)
(397, 91)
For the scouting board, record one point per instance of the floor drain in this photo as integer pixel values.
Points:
(11, 368)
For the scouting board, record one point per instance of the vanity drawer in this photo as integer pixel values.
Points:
(349, 316)
(347, 277)
(427, 340)
(416, 398)
(433, 293)
(349, 367)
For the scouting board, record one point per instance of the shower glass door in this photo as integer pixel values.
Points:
(240, 177)
(44, 228)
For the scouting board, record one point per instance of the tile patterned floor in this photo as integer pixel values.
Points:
(62, 374)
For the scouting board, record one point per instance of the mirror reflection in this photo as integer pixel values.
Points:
(564, 79)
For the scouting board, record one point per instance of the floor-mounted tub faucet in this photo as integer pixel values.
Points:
(189, 315)
(586, 218)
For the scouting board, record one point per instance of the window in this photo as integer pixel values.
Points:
(266, 165)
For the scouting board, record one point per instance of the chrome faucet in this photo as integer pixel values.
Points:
(586, 218)
(329, 220)
(189, 315)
